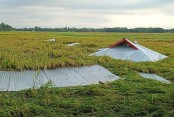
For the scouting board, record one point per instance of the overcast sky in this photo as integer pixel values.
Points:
(88, 13)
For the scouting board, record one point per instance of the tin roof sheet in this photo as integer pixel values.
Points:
(62, 77)
(154, 77)
(72, 44)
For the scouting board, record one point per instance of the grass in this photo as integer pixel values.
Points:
(28, 50)
(130, 96)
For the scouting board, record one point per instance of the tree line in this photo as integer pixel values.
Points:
(6, 27)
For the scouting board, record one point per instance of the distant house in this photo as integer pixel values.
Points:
(127, 50)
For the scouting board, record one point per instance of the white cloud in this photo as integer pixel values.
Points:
(87, 13)
(149, 20)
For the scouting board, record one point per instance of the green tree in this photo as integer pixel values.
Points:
(5, 27)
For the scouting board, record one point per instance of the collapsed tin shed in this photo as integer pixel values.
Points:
(127, 50)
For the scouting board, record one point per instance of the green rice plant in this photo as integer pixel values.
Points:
(35, 80)
(28, 50)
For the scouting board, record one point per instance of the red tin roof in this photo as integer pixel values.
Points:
(124, 41)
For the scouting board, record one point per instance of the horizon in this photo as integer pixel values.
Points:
(89, 27)
(88, 14)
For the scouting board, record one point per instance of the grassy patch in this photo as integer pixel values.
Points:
(128, 97)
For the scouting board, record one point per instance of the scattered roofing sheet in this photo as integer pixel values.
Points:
(62, 77)
(15, 80)
(127, 50)
(155, 77)
(51, 40)
(101, 49)
(72, 44)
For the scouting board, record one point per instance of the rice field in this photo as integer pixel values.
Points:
(29, 50)
(130, 96)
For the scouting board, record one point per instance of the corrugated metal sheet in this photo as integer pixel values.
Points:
(72, 44)
(50, 40)
(4, 82)
(15, 80)
(155, 77)
(62, 77)
(80, 76)
(129, 53)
